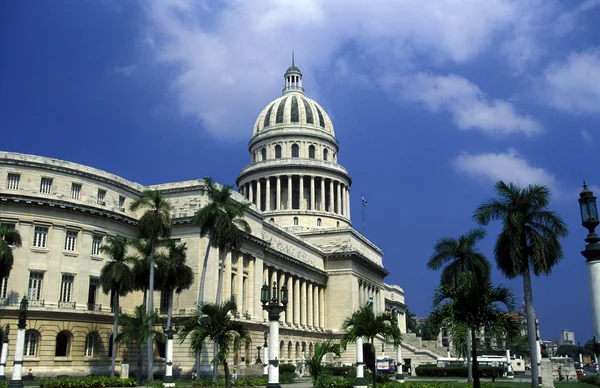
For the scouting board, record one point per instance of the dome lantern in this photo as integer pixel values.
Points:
(293, 78)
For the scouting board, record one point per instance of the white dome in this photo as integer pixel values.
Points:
(293, 109)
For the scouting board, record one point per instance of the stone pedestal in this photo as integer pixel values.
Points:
(124, 371)
(546, 370)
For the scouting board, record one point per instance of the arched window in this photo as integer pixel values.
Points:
(110, 346)
(254, 157)
(277, 151)
(161, 348)
(295, 151)
(297, 350)
(62, 344)
(272, 219)
(337, 224)
(263, 154)
(289, 350)
(325, 154)
(318, 222)
(295, 220)
(91, 345)
(31, 342)
(281, 345)
(311, 152)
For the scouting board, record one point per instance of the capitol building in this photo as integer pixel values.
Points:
(301, 236)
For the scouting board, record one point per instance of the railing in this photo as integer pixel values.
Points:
(66, 305)
(36, 302)
(161, 310)
(94, 307)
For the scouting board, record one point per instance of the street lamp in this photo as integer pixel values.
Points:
(16, 380)
(168, 329)
(589, 220)
(4, 354)
(399, 361)
(271, 304)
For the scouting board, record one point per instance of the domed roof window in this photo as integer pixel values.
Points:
(277, 151)
(295, 115)
(279, 117)
(263, 154)
(321, 119)
(295, 151)
(268, 115)
(325, 154)
(309, 113)
(311, 152)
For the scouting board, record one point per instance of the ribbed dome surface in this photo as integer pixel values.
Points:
(293, 108)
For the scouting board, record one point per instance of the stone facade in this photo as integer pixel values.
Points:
(64, 211)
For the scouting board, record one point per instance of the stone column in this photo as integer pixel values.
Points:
(242, 301)
(348, 201)
(301, 196)
(268, 195)
(316, 318)
(322, 307)
(322, 198)
(312, 193)
(303, 308)
(331, 196)
(289, 314)
(267, 281)
(296, 301)
(250, 286)
(309, 304)
(338, 208)
(258, 195)
(289, 190)
(4, 354)
(251, 196)
(280, 283)
(278, 194)
(226, 291)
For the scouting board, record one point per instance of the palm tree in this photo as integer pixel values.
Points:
(136, 330)
(472, 304)
(116, 278)
(141, 267)
(9, 239)
(530, 238)
(154, 224)
(176, 275)
(314, 363)
(459, 255)
(364, 323)
(215, 323)
(222, 220)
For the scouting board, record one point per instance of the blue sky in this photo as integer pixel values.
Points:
(432, 103)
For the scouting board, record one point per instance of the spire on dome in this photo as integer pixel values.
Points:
(293, 78)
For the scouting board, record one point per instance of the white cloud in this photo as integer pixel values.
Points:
(573, 85)
(567, 21)
(229, 57)
(508, 166)
(587, 136)
(467, 104)
(126, 70)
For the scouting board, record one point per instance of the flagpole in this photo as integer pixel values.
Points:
(363, 214)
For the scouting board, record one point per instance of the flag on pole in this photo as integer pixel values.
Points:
(364, 201)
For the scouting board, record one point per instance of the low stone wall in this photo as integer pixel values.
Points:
(567, 365)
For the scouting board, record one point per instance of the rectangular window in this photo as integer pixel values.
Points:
(121, 202)
(46, 185)
(101, 195)
(35, 285)
(96, 242)
(92, 292)
(13, 181)
(3, 288)
(66, 288)
(70, 241)
(164, 301)
(40, 236)
(75, 190)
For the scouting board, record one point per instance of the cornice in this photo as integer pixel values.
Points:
(361, 258)
(287, 163)
(292, 131)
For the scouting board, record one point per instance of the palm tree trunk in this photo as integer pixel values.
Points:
(201, 291)
(476, 381)
(375, 365)
(144, 300)
(114, 336)
(469, 368)
(531, 331)
(227, 376)
(222, 257)
(140, 367)
(170, 308)
(150, 313)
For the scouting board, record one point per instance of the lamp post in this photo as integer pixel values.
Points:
(589, 220)
(168, 329)
(258, 360)
(4, 354)
(266, 355)
(399, 361)
(271, 304)
(16, 381)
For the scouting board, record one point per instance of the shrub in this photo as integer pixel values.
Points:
(594, 380)
(86, 382)
(287, 377)
(287, 368)
(456, 371)
(245, 382)
(338, 370)
(326, 380)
